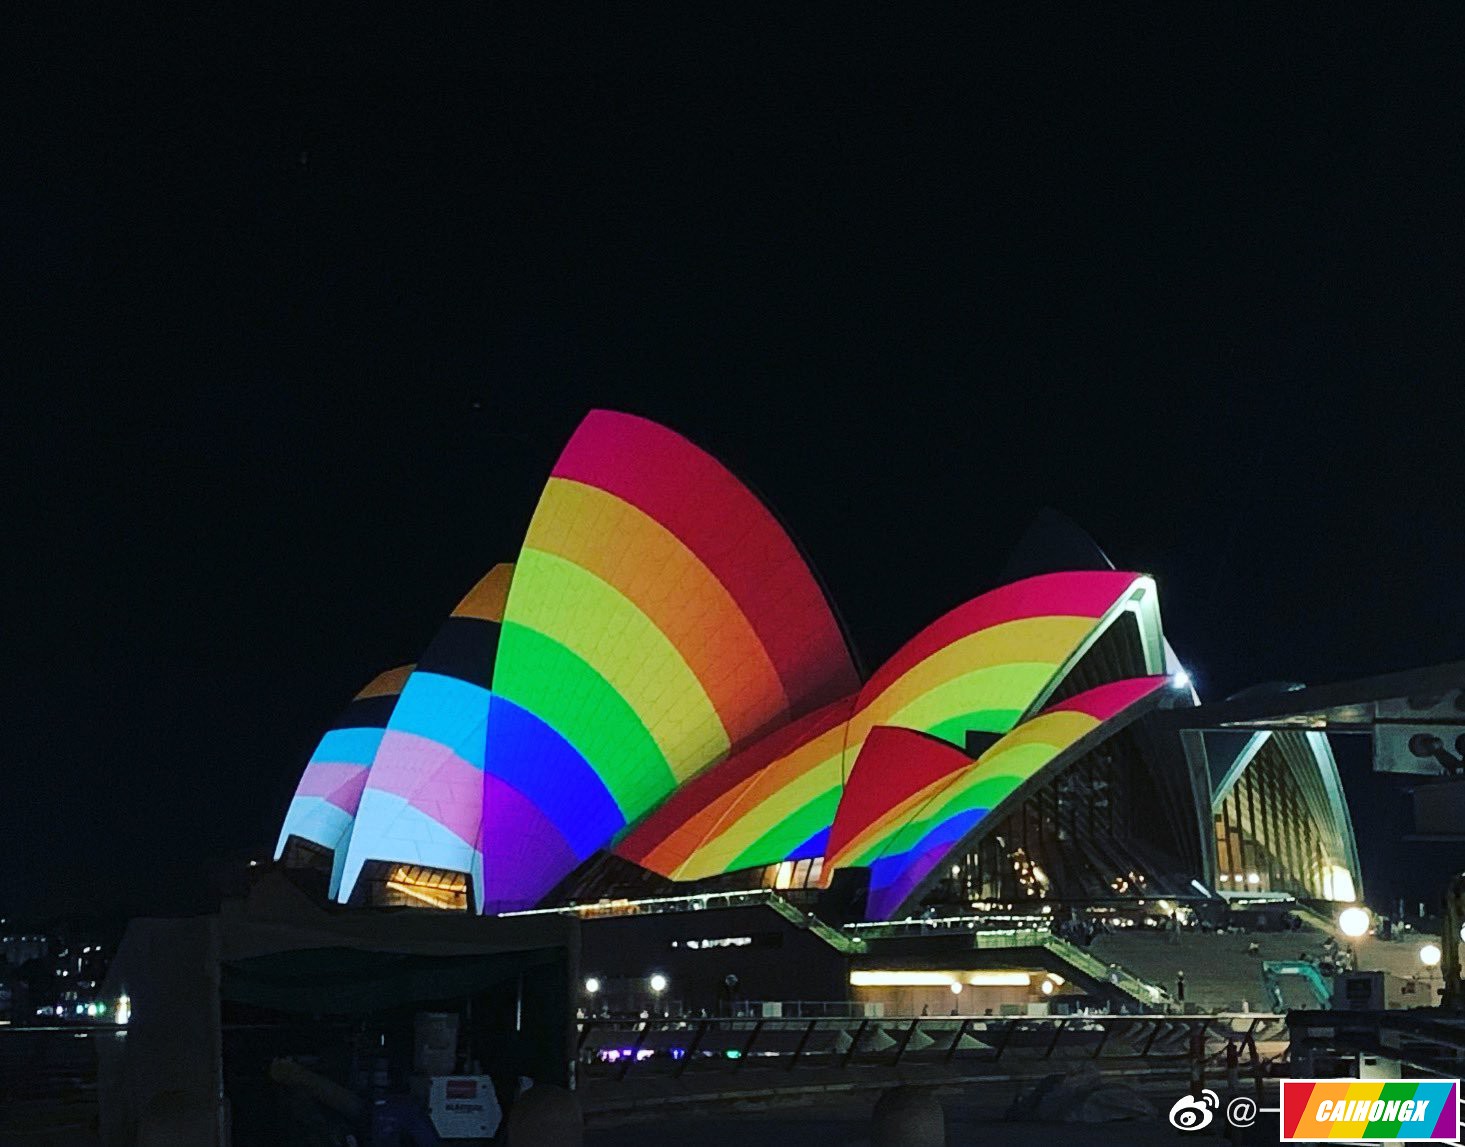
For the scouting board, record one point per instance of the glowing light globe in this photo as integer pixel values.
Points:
(1429, 955)
(1353, 922)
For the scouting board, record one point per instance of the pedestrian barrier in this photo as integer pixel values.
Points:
(618, 1048)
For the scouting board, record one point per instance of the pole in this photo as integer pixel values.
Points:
(1197, 1060)
(1233, 1084)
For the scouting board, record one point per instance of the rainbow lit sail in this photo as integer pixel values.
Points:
(660, 619)
(979, 667)
(903, 845)
(423, 802)
(661, 676)
(323, 810)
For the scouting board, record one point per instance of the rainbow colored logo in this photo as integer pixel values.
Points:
(1422, 1110)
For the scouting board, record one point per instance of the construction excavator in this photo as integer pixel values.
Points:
(1275, 971)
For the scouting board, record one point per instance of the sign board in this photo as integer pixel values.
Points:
(463, 1106)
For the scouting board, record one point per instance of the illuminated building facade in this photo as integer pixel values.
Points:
(656, 698)
(1281, 820)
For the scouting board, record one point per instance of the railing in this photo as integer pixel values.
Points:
(613, 1049)
(946, 925)
(986, 938)
(1091, 965)
(834, 937)
(757, 898)
(805, 1009)
(657, 904)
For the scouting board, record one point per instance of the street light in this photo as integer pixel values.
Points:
(956, 987)
(1354, 922)
(1429, 955)
(658, 983)
(592, 985)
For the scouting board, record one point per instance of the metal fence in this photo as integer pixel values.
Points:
(614, 1049)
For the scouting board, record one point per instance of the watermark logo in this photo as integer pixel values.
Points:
(1423, 1110)
(1241, 1111)
(1194, 1114)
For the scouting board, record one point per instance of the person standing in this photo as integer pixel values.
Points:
(1180, 987)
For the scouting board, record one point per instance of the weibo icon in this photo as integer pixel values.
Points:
(1193, 1114)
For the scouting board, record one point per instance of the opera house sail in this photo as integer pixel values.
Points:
(657, 695)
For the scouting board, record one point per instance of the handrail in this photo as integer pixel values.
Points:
(1018, 922)
(854, 938)
(653, 904)
(668, 1045)
(832, 936)
(753, 898)
(1114, 974)
(1141, 990)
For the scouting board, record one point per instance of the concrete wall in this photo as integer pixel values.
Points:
(160, 1082)
(939, 1000)
(781, 962)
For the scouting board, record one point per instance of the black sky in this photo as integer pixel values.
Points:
(304, 305)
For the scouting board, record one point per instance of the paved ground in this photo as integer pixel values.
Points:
(1221, 974)
(62, 1116)
(848, 1125)
(840, 1123)
(972, 1120)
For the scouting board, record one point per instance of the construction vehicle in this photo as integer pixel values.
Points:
(1274, 971)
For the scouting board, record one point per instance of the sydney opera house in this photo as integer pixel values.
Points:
(656, 699)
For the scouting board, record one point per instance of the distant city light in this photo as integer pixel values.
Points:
(1429, 955)
(124, 1010)
(1353, 922)
(592, 985)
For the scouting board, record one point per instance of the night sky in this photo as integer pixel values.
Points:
(302, 309)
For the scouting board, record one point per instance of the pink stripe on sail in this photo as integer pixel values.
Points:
(340, 784)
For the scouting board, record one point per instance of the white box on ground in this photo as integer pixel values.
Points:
(463, 1106)
(1372, 1066)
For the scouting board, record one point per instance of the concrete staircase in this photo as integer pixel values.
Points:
(1220, 974)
